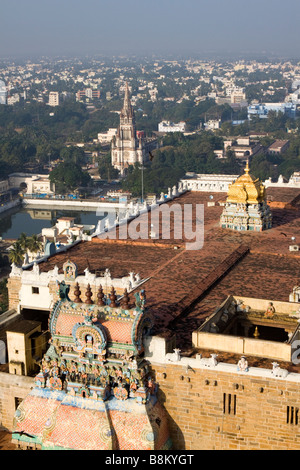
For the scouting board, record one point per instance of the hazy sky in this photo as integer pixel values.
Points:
(89, 27)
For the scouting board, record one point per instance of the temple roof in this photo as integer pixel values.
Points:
(246, 189)
(269, 270)
(54, 421)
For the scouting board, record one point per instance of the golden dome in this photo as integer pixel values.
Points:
(246, 189)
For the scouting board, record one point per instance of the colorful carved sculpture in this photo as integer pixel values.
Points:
(95, 357)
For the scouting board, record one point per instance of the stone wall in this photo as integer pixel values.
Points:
(14, 286)
(215, 410)
(13, 389)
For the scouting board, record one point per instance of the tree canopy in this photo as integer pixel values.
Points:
(68, 177)
(180, 154)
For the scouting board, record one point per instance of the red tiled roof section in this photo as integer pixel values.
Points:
(178, 278)
(258, 275)
(268, 271)
(66, 322)
(118, 331)
(286, 195)
(120, 259)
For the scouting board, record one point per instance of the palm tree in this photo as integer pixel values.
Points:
(16, 253)
(34, 244)
(23, 239)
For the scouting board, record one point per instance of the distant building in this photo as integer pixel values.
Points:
(65, 231)
(208, 183)
(31, 184)
(126, 148)
(243, 147)
(233, 90)
(212, 124)
(15, 98)
(296, 84)
(87, 93)
(3, 93)
(53, 98)
(238, 98)
(168, 126)
(279, 146)
(262, 109)
(106, 137)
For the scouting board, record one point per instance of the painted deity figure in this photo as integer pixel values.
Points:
(63, 290)
(54, 371)
(140, 299)
(242, 365)
(270, 310)
(45, 370)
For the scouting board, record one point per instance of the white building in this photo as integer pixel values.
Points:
(31, 184)
(3, 92)
(11, 100)
(53, 98)
(296, 83)
(65, 231)
(208, 183)
(294, 97)
(168, 126)
(234, 90)
(212, 124)
(106, 137)
(262, 109)
(293, 182)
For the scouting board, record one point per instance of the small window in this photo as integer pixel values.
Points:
(18, 401)
(229, 404)
(35, 290)
(292, 415)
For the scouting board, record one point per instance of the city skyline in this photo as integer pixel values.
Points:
(168, 27)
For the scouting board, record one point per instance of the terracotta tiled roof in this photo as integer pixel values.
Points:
(119, 258)
(269, 270)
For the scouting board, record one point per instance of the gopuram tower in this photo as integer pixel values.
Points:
(95, 390)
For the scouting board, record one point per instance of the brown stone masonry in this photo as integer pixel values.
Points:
(221, 411)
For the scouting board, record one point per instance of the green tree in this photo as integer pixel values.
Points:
(23, 240)
(72, 155)
(34, 244)
(106, 170)
(16, 253)
(68, 177)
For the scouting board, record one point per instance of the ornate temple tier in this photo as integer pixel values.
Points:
(93, 379)
(246, 207)
(60, 421)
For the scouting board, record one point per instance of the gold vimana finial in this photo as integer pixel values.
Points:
(247, 167)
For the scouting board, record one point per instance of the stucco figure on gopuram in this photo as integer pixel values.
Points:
(94, 390)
